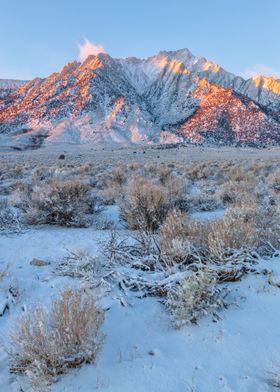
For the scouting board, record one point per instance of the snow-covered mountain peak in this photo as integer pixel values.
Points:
(183, 55)
(173, 95)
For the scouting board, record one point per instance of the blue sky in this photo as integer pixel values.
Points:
(37, 37)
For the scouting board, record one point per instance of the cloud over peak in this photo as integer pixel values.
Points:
(88, 48)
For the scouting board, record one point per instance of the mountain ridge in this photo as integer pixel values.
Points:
(170, 97)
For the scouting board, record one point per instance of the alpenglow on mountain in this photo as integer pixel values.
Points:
(168, 98)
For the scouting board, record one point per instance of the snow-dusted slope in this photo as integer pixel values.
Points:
(170, 96)
(10, 83)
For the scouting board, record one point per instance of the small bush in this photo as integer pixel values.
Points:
(118, 175)
(228, 193)
(176, 189)
(110, 184)
(59, 202)
(48, 342)
(9, 217)
(173, 242)
(193, 297)
(234, 192)
(267, 220)
(164, 173)
(144, 204)
(235, 231)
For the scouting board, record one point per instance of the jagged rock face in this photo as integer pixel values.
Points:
(171, 97)
(225, 116)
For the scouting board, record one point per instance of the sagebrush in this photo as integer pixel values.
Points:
(59, 202)
(47, 342)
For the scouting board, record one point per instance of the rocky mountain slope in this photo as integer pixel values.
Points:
(170, 97)
(8, 85)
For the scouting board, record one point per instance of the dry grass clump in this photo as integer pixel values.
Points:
(245, 229)
(199, 170)
(219, 238)
(41, 173)
(268, 223)
(193, 297)
(144, 204)
(146, 200)
(111, 184)
(237, 228)
(237, 173)
(59, 202)
(176, 188)
(261, 168)
(232, 192)
(118, 175)
(228, 193)
(173, 242)
(48, 342)
(184, 240)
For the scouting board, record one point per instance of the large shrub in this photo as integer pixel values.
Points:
(48, 342)
(59, 202)
(144, 204)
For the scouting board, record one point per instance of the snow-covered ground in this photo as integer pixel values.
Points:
(142, 351)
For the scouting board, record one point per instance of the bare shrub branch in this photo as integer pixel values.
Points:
(194, 297)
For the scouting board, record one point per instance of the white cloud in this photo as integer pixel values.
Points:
(88, 48)
(260, 69)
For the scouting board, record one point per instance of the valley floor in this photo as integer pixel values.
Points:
(238, 351)
(84, 153)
